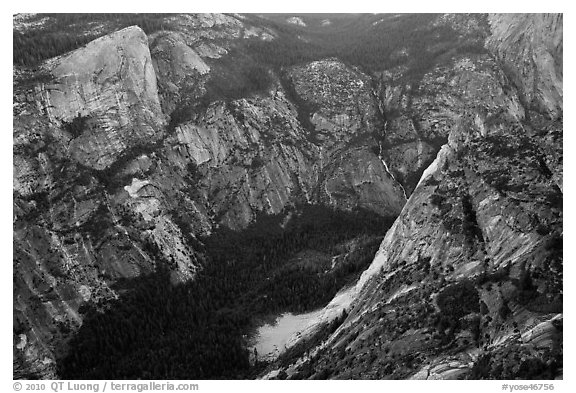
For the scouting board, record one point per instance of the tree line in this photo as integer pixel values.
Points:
(62, 33)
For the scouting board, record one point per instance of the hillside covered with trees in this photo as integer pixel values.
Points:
(199, 329)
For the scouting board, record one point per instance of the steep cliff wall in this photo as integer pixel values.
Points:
(259, 154)
(77, 229)
(106, 191)
(342, 116)
(536, 63)
(111, 83)
(473, 264)
(250, 156)
(422, 115)
(468, 281)
(123, 158)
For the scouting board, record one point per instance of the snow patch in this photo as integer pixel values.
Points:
(273, 339)
(136, 185)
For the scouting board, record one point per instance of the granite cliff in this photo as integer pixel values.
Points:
(106, 190)
(132, 149)
(467, 282)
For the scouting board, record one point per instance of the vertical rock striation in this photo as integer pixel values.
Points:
(468, 281)
(530, 47)
(111, 85)
(106, 190)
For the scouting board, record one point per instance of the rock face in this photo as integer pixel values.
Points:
(250, 156)
(111, 83)
(339, 98)
(76, 229)
(105, 193)
(176, 64)
(468, 281)
(258, 155)
(421, 115)
(109, 187)
(343, 117)
(534, 64)
(359, 178)
(471, 264)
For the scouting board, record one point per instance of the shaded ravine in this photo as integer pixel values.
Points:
(288, 330)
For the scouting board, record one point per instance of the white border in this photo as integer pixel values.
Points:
(356, 6)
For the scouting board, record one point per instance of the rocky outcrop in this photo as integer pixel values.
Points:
(421, 115)
(339, 101)
(106, 192)
(342, 117)
(359, 178)
(472, 232)
(468, 281)
(250, 156)
(77, 231)
(253, 156)
(535, 64)
(177, 66)
(212, 35)
(108, 88)
(110, 195)
(258, 155)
